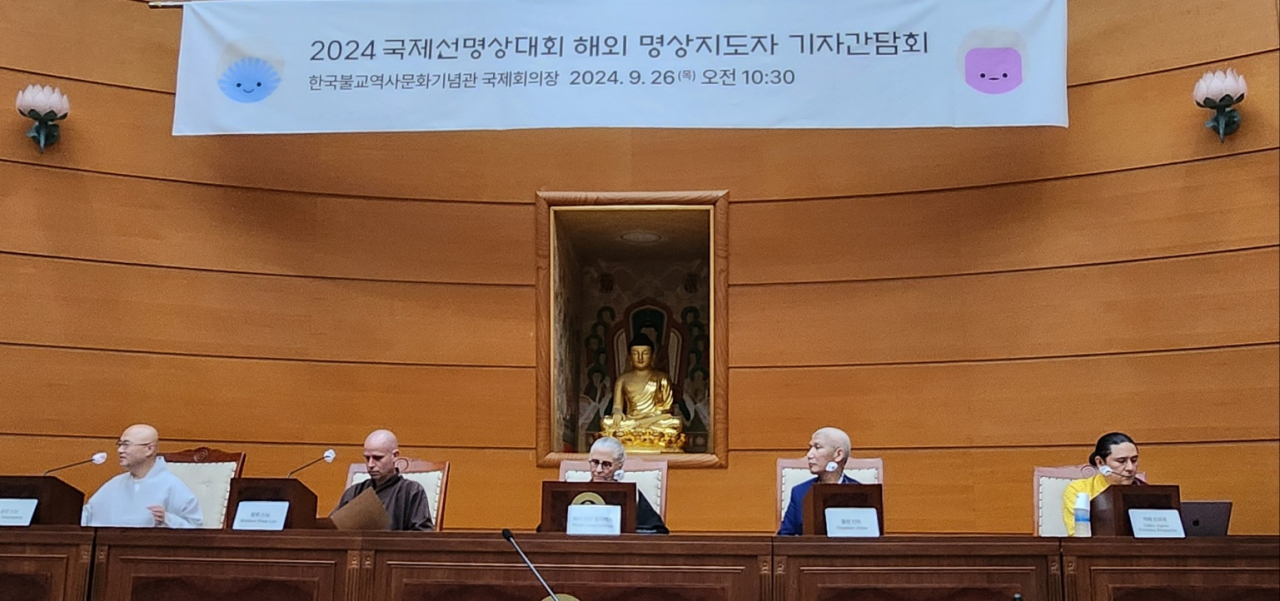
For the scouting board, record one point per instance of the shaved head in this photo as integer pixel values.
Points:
(828, 448)
(382, 439)
(136, 449)
(835, 437)
(141, 434)
(381, 449)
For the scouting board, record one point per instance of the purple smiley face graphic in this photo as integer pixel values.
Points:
(993, 70)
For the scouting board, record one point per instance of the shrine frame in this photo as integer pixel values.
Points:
(718, 201)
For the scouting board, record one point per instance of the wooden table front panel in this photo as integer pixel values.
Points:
(45, 563)
(484, 567)
(1238, 568)
(214, 565)
(952, 568)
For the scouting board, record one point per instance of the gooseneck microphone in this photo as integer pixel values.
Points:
(327, 458)
(97, 459)
(512, 539)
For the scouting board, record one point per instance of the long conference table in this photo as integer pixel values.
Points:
(115, 564)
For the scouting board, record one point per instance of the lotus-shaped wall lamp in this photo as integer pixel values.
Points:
(46, 106)
(1219, 91)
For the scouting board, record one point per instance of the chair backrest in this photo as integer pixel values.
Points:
(432, 475)
(650, 478)
(208, 473)
(794, 471)
(1048, 485)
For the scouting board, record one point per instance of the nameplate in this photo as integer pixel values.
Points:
(600, 520)
(260, 515)
(1156, 523)
(17, 512)
(852, 522)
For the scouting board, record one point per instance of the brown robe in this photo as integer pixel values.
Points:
(405, 501)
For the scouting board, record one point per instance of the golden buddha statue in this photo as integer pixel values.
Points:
(642, 401)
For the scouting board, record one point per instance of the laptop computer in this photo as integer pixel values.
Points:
(1206, 518)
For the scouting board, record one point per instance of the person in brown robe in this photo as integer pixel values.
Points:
(404, 499)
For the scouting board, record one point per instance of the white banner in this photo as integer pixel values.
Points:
(298, 66)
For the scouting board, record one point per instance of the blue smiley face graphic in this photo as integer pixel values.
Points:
(249, 80)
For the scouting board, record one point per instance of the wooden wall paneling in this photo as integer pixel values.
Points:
(917, 567)
(1107, 40)
(134, 46)
(113, 41)
(994, 494)
(51, 391)
(45, 563)
(1186, 396)
(81, 304)
(1196, 569)
(1134, 122)
(1211, 300)
(150, 564)
(1201, 206)
(927, 490)
(79, 214)
(482, 567)
(1130, 111)
(488, 488)
(124, 131)
(975, 490)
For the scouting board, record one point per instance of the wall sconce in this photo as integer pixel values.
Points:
(45, 106)
(1219, 90)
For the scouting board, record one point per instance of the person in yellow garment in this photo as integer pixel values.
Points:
(1116, 459)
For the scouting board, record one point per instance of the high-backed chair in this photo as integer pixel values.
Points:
(650, 478)
(794, 471)
(432, 475)
(1047, 487)
(208, 473)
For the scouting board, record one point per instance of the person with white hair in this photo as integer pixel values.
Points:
(404, 499)
(606, 459)
(828, 454)
(147, 494)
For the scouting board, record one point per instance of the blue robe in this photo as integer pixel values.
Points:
(793, 520)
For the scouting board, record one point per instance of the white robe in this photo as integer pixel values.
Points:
(123, 501)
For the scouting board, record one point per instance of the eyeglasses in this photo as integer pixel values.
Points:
(124, 444)
(597, 464)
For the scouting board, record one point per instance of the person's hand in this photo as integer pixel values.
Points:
(157, 512)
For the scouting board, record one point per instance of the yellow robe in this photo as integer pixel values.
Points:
(649, 409)
(1094, 486)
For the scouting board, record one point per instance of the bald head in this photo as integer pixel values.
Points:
(381, 449)
(382, 439)
(141, 434)
(828, 448)
(136, 449)
(835, 438)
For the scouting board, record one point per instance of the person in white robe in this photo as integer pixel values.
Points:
(147, 494)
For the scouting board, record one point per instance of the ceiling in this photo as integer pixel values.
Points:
(595, 232)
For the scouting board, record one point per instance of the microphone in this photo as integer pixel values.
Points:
(512, 539)
(1106, 470)
(327, 458)
(98, 458)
